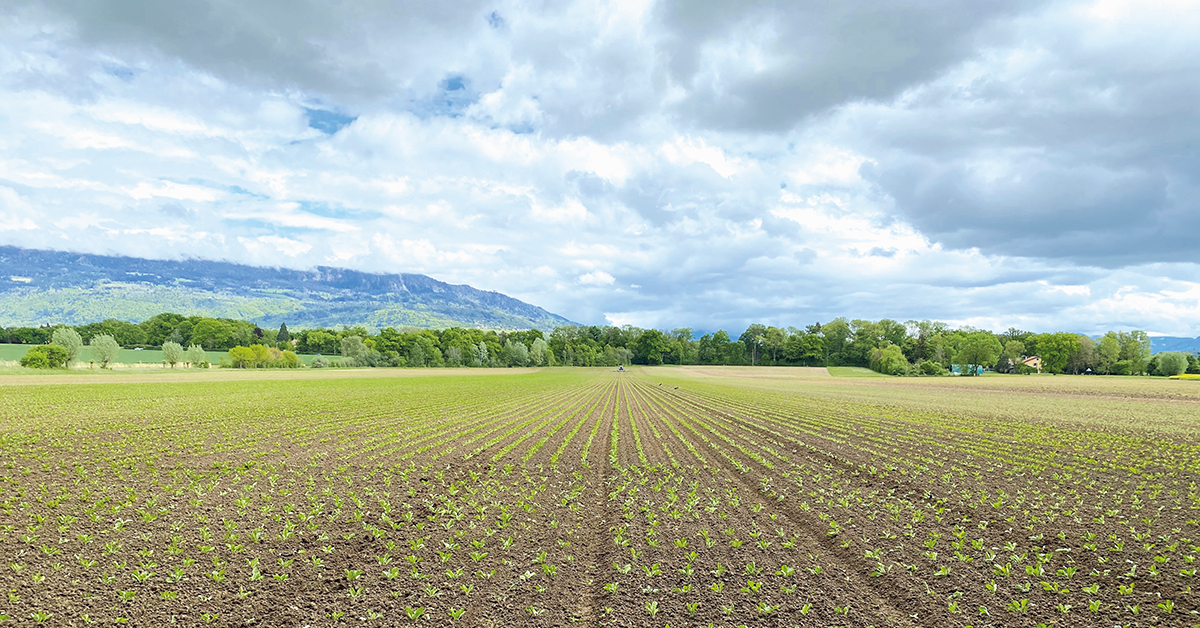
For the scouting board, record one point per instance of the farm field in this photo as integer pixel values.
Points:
(147, 358)
(667, 496)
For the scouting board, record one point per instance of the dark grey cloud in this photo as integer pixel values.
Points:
(768, 65)
(1077, 147)
(367, 49)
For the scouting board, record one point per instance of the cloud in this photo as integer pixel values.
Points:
(664, 163)
(596, 278)
(769, 65)
(1075, 144)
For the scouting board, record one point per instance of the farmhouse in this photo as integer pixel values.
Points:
(1033, 362)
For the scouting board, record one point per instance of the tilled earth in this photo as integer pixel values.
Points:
(594, 498)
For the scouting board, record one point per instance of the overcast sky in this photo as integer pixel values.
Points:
(663, 164)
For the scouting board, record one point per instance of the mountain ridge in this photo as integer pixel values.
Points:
(43, 286)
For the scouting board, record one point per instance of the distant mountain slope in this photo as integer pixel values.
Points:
(38, 287)
(1161, 344)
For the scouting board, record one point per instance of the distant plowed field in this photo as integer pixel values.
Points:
(680, 497)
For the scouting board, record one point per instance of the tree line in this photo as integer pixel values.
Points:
(887, 346)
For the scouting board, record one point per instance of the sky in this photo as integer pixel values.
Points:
(663, 164)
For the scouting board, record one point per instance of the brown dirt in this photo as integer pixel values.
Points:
(708, 491)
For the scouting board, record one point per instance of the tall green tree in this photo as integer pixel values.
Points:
(773, 342)
(196, 356)
(172, 353)
(978, 349)
(1108, 352)
(1135, 347)
(836, 333)
(160, 327)
(1085, 357)
(1173, 363)
(540, 353)
(752, 339)
(1056, 350)
(354, 351)
(515, 353)
(105, 349)
(1010, 357)
(70, 340)
(649, 347)
(889, 360)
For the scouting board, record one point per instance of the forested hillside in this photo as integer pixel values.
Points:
(54, 287)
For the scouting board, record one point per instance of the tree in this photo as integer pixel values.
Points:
(889, 360)
(804, 347)
(283, 335)
(70, 340)
(480, 357)
(1011, 356)
(683, 336)
(211, 333)
(433, 353)
(539, 353)
(354, 351)
(50, 356)
(172, 353)
(263, 355)
(752, 339)
(1085, 356)
(105, 349)
(979, 348)
(1108, 352)
(1173, 363)
(836, 332)
(161, 328)
(649, 347)
(1135, 347)
(1056, 350)
(773, 342)
(515, 353)
(196, 356)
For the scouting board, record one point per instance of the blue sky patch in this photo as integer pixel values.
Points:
(123, 72)
(454, 94)
(325, 210)
(328, 122)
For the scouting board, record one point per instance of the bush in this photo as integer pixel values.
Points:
(288, 360)
(45, 357)
(931, 368)
(241, 357)
(320, 363)
(1123, 367)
